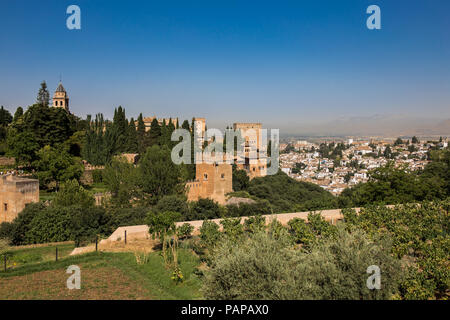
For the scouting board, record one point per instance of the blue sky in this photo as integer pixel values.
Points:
(283, 63)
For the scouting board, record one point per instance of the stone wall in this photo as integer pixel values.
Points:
(212, 181)
(15, 193)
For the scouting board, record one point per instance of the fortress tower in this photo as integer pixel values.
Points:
(251, 162)
(60, 98)
(15, 193)
(212, 181)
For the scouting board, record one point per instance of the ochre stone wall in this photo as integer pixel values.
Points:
(212, 181)
(15, 193)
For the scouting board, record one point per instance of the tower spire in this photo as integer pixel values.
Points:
(60, 98)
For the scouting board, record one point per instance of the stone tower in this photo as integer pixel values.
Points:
(212, 181)
(60, 98)
(15, 193)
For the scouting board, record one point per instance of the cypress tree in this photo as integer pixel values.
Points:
(18, 114)
(132, 141)
(155, 132)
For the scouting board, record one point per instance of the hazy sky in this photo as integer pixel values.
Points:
(283, 63)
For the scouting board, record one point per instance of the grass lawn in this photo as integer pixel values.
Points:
(93, 188)
(45, 195)
(98, 187)
(104, 275)
(23, 256)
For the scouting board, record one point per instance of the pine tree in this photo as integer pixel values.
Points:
(43, 96)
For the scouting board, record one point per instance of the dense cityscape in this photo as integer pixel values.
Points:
(341, 164)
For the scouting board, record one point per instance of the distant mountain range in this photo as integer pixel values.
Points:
(376, 125)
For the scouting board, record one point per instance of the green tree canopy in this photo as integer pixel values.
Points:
(158, 175)
(56, 165)
(72, 193)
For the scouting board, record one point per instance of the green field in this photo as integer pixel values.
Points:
(104, 275)
(18, 257)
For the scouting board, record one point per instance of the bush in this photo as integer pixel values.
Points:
(232, 228)
(6, 230)
(72, 193)
(21, 224)
(301, 231)
(420, 235)
(51, 224)
(40, 224)
(119, 217)
(261, 207)
(265, 267)
(204, 209)
(209, 233)
(97, 176)
(174, 203)
(255, 224)
(185, 230)
(87, 223)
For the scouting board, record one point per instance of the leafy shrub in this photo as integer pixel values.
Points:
(174, 203)
(277, 230)
(209, 233)
(72, 193)
(301, 231)
(21, 224)
(265, 267)
(261, 207)
(185, 230)
(420, 236)
(255, 224)
(50, 225)
(232, 228)
(319, 226)
(204, 209)
(6, 230)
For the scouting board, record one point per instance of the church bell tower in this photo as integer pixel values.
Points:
(60, 98)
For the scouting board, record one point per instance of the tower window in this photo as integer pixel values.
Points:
(205, 176)
(222, 175)
(5, 206)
